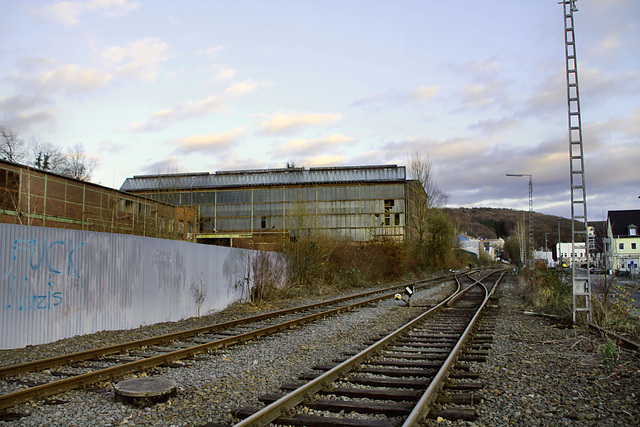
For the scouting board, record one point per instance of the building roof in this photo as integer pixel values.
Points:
(266, 177)
(621, 220)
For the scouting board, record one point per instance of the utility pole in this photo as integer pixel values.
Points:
(531, 246)
(579, 226)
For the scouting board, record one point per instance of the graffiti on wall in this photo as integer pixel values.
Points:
(36, 270)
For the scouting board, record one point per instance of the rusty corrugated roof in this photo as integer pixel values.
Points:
(267, 177)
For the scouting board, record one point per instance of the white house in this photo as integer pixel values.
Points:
(563, 252)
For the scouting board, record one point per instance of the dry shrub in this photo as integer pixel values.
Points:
(549, 290)
(612, 306)
(269, 275)
(320, 265)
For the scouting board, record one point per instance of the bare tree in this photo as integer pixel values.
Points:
(423, 203)
(45, 156)
(12, 146)
(77, 163)
(420, 170)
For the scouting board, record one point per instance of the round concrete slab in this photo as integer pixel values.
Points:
(145, 387)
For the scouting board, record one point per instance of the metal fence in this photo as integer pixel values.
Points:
(59, 283)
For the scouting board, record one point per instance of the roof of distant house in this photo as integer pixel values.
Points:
(621, 220)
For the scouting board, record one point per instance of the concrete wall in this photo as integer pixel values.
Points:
(59, 283)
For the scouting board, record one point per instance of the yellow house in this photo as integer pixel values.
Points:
(623, 232)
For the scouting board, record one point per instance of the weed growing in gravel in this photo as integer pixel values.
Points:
(609, 353)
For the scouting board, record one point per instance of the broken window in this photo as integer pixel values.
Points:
(9, 186)
(388, 207)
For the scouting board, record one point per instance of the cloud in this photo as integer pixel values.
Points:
(212, 52)
(68, 12)
(138, 59)
(71, 78)
(19, 112)
(111, 147)
(423, 93)
(223, 73)
(170, 165)
(398, 98)
(191, 109)
(289, 123)
(25, 120)
(162, 119)
(211, 143)
(492, 127)
(325, 160)
(245, 87)
(305, 147)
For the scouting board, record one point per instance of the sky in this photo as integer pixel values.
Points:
(477, 88)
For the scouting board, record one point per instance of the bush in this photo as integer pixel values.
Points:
(549, 290)
(612, 305)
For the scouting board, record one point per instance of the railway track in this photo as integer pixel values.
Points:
(403, 378)
(82, 369)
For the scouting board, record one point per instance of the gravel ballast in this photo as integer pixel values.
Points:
(537, 374)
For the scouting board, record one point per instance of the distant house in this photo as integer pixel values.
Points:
(623, 238)
(563, 252)
(473, 246)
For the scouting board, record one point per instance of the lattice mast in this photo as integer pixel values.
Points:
(579, 227)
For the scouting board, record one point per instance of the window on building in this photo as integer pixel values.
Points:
(9, 185)
(388, 207)
(397, 219)
(633, 246)
(620, 246)
(263, 222)
(633, 230)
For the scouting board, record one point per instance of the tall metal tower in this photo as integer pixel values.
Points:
(579, 228)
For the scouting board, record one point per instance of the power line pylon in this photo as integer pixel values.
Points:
(579, 227)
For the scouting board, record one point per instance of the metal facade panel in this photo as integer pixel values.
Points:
(296, 176)
(59, 283)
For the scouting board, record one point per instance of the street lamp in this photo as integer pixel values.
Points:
(520, 175)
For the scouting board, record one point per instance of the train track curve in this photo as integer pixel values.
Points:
(398, 377)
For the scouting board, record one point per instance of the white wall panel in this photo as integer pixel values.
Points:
(58, 283)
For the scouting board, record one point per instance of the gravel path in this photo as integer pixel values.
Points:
(540, 374)
(537, 374)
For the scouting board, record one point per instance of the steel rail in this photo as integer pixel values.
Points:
(622, 341)
(286, 403)
(464, 291)
(419, 414)
(83, 380)
(80, 356)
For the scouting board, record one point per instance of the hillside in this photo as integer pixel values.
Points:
(492, 223)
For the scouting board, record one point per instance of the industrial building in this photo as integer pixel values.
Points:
(30, 196)
(360, 203)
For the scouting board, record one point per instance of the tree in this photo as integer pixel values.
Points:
(77, 164)
(440, 238)
(420, 170)
(421, 174)
(45, 156)
(12, 146)
(434, 231)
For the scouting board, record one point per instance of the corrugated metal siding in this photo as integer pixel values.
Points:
(60, 283)
(294, 176)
